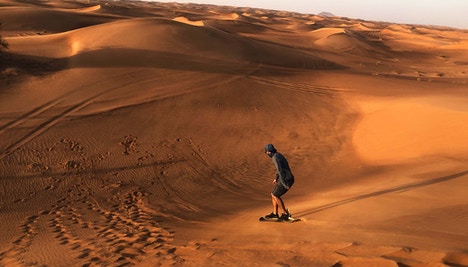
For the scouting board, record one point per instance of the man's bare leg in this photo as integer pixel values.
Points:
(275, 205)
(277, 202)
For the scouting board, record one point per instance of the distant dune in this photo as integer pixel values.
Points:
(326, 14)
(132, 134)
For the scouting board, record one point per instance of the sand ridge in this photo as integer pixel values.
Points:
(131, 134)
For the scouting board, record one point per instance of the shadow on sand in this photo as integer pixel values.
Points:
(400, 188)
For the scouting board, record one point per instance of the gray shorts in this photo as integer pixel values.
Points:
(279, 190)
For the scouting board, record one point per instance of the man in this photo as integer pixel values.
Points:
(283, 182)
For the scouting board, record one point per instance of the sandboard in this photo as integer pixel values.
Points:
(290, 220)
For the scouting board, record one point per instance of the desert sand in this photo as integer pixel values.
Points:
(132, 134)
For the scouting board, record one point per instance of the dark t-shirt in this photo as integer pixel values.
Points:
(283, 172)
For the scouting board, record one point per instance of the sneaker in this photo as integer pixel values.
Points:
(272, 216)
(284, 217)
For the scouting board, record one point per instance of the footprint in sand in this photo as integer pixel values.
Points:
(127, 234)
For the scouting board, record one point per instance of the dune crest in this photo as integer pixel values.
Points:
(325, 32)
(89, 9)
(232, 16)
(186, 21)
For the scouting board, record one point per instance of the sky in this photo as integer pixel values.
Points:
(451, 13)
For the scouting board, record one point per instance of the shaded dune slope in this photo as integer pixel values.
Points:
(43, 20)
(165, 36)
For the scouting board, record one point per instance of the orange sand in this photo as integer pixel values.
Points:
(131, 134)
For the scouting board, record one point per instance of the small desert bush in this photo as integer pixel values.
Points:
(8, 72)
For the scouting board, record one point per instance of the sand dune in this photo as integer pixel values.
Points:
(42, 20)
(434, 126)
(342, 42)
(193, 23)
(185, 41)
(132, 134)
(325, 32)
(89, 9)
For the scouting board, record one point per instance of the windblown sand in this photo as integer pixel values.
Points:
(132, 134)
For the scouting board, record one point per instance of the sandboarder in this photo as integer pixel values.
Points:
(283, 182)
